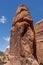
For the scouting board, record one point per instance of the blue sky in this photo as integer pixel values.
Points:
(7, 11)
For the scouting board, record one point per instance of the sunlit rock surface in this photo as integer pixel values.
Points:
(26, 40)
(39, 40)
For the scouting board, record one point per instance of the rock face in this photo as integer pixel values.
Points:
(7, 52)
(22, 38)
(39, 40)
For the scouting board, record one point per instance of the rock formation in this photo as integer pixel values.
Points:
(22, 38)
(39, 40)
(26, 40)
(7, 52)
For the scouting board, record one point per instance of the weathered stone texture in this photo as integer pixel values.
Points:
(22, 38)
(39, 40)
(20, 29)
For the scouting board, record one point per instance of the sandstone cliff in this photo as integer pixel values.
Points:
(39, 40)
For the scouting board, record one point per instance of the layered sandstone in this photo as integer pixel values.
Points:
(22, 38)
(39, 40)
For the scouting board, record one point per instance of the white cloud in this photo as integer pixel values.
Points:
(7, 39)
(3, 19)
(8, 46)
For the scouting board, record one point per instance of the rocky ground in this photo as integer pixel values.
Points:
(3, 58)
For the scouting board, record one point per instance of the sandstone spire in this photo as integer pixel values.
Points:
(22, 37)
(22, 13)
(22, 21)
(26, 40)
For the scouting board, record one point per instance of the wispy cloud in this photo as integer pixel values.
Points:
(7, 46)
(3, 19)
(7, 39)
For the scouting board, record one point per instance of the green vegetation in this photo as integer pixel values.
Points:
(2, 53)
(3, 58)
